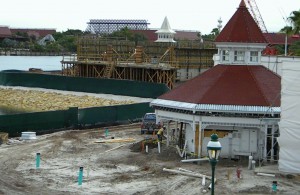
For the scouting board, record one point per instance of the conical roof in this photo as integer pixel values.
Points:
(165, 27)
(241, 28)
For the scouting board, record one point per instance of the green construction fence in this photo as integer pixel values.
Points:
(108, 114)
(72, 118)
(38, 121)
(90, 85)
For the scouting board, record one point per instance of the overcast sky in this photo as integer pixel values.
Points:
(200, 15)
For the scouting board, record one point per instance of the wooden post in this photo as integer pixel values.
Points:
(168, 137)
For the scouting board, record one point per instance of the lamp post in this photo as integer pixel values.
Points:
(213, 149)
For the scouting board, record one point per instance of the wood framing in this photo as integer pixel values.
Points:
(144, 61)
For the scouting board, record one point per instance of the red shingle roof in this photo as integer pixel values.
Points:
(241, 28)
(149, 34)
(279, 38)
(186, 35)
(230, 85)
(4, 32)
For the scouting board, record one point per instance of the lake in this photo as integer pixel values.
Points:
(46, 63)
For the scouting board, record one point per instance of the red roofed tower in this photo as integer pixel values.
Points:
(241, 41)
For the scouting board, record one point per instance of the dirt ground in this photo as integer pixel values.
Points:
(119, 167)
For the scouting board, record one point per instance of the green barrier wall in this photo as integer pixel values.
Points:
(38, 121)
(92, 116)
(91, 85)
(52, 120)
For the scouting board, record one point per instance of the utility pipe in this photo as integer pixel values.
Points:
(37, 162)
(158, 146)
(185, 170)
(195, 160)
(186, 173)
(80, 176)
(250, 162)
(266, 174)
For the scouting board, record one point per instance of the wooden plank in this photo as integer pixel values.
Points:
(115, 140)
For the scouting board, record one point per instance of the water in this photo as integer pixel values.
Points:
(46, 63)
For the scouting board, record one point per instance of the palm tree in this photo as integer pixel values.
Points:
(295, 21)
(287, 30)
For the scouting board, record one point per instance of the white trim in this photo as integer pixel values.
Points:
(215, 107)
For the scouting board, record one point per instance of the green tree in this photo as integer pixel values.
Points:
(127, 34)
(9, 43)
(295, 48)
(138, 37)
(294, 19)
(66, 41)
(53, 47)
(124, 33)
(36, 47)
(215, 32)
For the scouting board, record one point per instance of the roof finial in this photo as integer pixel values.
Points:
(242, 4)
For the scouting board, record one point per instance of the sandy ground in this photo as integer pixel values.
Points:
(118, 168)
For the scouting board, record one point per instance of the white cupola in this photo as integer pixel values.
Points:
(165, 33)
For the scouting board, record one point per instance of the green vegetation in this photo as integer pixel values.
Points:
(127, 34)
(212, 36)
(292, 29)
(64, 42)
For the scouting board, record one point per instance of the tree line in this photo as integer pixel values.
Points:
(65, 41)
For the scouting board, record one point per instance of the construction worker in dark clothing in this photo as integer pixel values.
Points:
(160, 133)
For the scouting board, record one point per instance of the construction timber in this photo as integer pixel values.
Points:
(143, 61)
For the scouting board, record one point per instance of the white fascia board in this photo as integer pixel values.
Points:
(173, 104)
(215, 108)
(240, 45)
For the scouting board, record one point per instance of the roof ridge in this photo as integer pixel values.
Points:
(258, 86)
(216, 80)
(277, 75)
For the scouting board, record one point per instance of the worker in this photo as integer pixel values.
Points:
(160, 133)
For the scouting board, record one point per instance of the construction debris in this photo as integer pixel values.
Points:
(115, 140)
(3, 138)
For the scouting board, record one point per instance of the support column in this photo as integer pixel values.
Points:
(194, 137)
(200, 140)
(176, 132)
(265, 144)
(168, 135)
(272, 144)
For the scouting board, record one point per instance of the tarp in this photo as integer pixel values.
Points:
(289, 139)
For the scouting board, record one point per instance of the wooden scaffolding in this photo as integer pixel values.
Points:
(120, 59)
